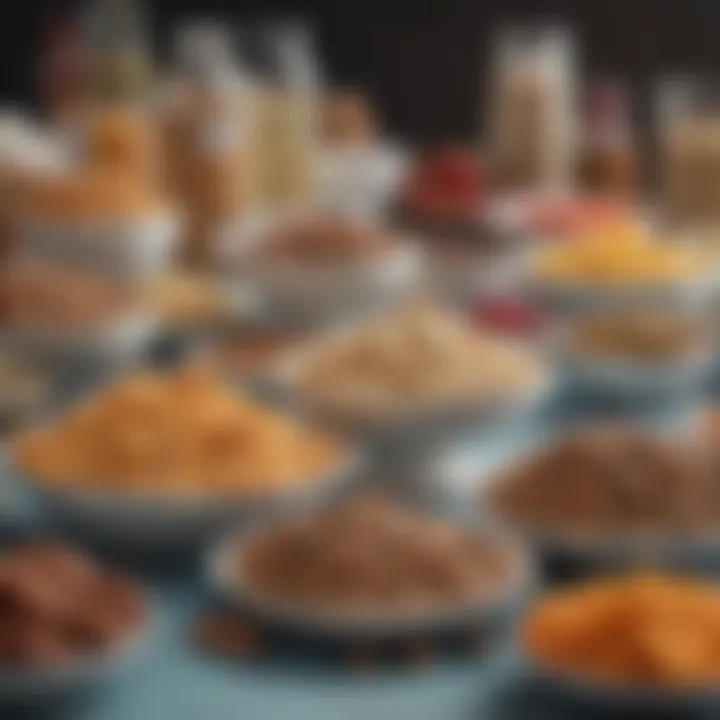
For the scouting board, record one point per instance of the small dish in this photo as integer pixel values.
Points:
(691, 293)
(465, 276)
(618, 699)
(633, 379)
(118, 338)
(290, 293)
(493, 610)
(131, 248)
(419, 424)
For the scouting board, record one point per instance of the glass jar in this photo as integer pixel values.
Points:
(119, 61)
(689, 137)
(608, 164)
(286, 137)
(532, 111)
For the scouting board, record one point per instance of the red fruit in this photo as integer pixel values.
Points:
(508, 316)
(447, 183)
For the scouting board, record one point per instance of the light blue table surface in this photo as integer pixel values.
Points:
(172, 681)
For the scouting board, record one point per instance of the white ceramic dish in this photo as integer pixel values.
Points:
(618, 376)
(634, 379)
(505, 603)
(323, 292)
(118, 339)
(464, 278)
(693, 295)
(149, 522)
(124, 248)
(361, 182)
(420, 423)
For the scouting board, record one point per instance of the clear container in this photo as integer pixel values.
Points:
(689, 136)
(111, 127)
(532, 133)
(608, 161)
(286, 137)
(119, 59)
(208, 125)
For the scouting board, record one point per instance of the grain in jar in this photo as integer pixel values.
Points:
(286, 136)
(532, 130)
(690, 151)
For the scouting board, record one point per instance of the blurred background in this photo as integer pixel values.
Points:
(423, 68)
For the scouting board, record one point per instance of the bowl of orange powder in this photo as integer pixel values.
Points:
(169, 459)
(641, 642)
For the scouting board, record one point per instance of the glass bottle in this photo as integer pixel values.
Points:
(689, 135)
(608, 163)
(208, 119)
(532, 133)
(62, 70)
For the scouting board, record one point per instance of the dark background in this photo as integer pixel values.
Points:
(423, 61)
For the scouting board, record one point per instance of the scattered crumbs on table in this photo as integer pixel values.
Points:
(474, 643)
(364, 657)
(419, 654)
(226, 634)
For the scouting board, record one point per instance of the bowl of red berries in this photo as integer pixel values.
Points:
(442, 204)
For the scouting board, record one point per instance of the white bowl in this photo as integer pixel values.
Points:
(693, 294)
(323, 292)
(136, 248)
(493, 609)
(421, 423)
(166, 523)
(633, 379)
(360, 182)
(117, 339)
(465, 277)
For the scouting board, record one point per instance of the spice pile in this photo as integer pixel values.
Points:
(421, 356)
(612, 480)
(324, 240)
(42, 296)
(371, 555)
(91, 196)
(181, 435)
(186, 299)
(57, 607)
(643, 631)
(617, 254)
(637, 336)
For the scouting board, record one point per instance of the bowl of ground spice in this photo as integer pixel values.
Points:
(615, 496)
(372, 566)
